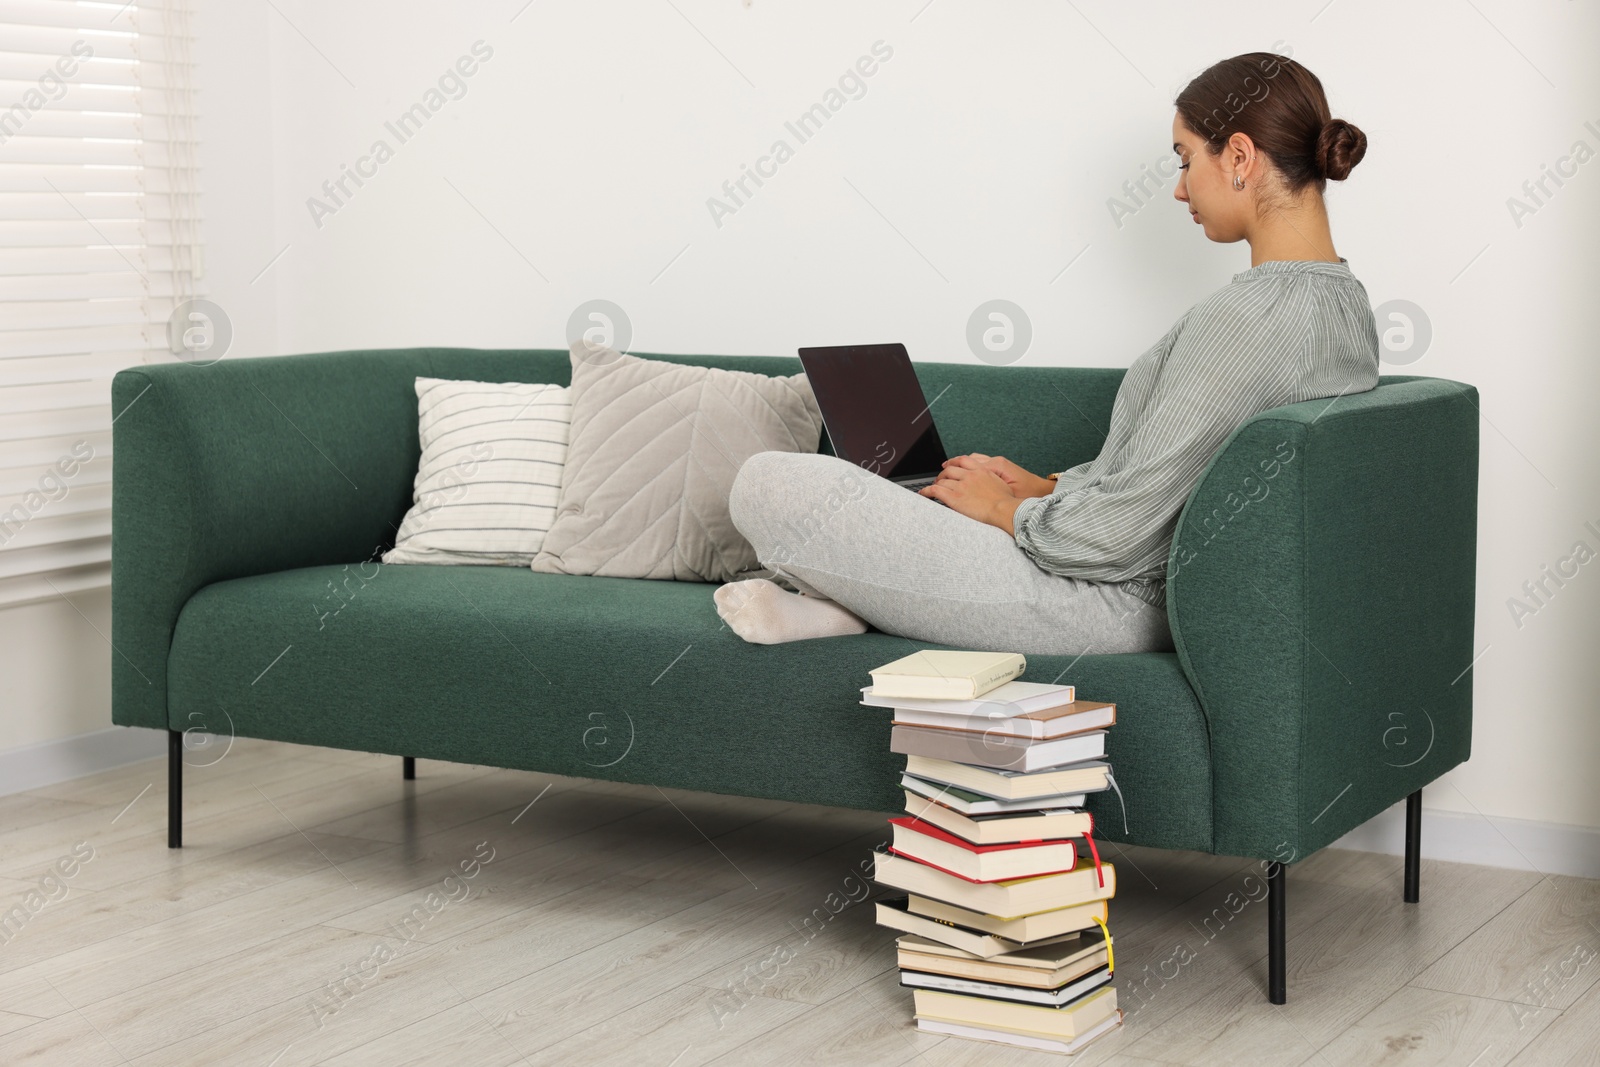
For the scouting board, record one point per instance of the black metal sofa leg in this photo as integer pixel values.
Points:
(1413, 846)
(1277, 986)
(174, 788)
(409, 771)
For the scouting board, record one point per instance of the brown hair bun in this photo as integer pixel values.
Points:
(1340, 147)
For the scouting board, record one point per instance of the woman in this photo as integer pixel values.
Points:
(1075, 562)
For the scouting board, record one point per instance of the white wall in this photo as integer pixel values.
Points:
(978, 164)
(56, 669)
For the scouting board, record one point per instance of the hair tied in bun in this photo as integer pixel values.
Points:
(1340, 147)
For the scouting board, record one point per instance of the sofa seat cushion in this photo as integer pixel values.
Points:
(621, 679)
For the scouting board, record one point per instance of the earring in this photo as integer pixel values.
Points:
(1238, 182)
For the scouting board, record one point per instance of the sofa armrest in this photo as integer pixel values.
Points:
(251, 466)
(240, 468)
(1321, 592)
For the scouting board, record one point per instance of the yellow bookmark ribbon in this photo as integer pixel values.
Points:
(1111, 959)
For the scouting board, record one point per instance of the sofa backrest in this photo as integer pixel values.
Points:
(1045, 417)
(348, 420)
(250, 466)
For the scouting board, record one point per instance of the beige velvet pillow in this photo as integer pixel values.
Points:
(651, 457)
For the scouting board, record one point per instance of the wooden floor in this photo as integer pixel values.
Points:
(320, 913)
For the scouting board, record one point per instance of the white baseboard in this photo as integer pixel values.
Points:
(49, 762)
(1549, 848)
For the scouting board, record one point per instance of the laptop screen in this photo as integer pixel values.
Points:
(874, 410)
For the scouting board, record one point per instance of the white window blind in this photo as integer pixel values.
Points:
(99, 225)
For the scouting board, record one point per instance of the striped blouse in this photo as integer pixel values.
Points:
(1281, 332)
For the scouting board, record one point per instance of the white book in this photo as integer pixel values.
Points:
(1037, 1041)
(1012, 698)
(970, 803)
(1020, 755)
(1050, 998)
(1075, 718)
(947, 674)
(1087, 776)
(999, 828)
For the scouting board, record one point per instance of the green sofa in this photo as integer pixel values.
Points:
(1321, 595)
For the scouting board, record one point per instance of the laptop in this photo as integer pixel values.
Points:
(874, 411)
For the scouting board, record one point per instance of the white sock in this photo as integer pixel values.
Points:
(761, 612)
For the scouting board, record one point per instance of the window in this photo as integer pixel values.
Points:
(99, 242)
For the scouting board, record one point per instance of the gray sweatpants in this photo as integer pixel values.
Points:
(910, 566)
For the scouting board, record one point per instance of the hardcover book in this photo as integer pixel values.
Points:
(1023, 1040)
(980, 863)
(1044, 967)
(895, 915)
(1010, 698)
(1074, 718)
(1086, 777)
(997, 750)
(1006, 900)
(969, 803)
(1038, 825)
(946, 674)
(1064, 1023)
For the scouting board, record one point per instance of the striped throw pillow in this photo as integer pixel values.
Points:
(490, 473)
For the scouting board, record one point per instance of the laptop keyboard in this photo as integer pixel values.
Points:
(919, 483)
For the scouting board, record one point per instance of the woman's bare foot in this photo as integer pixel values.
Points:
(764, 614)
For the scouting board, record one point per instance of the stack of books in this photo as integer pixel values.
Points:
(1003, 925)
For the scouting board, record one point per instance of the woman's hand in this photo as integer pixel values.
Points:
(1022, 484)
(976, 492)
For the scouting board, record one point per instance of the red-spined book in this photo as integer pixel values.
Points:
(926, 843)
